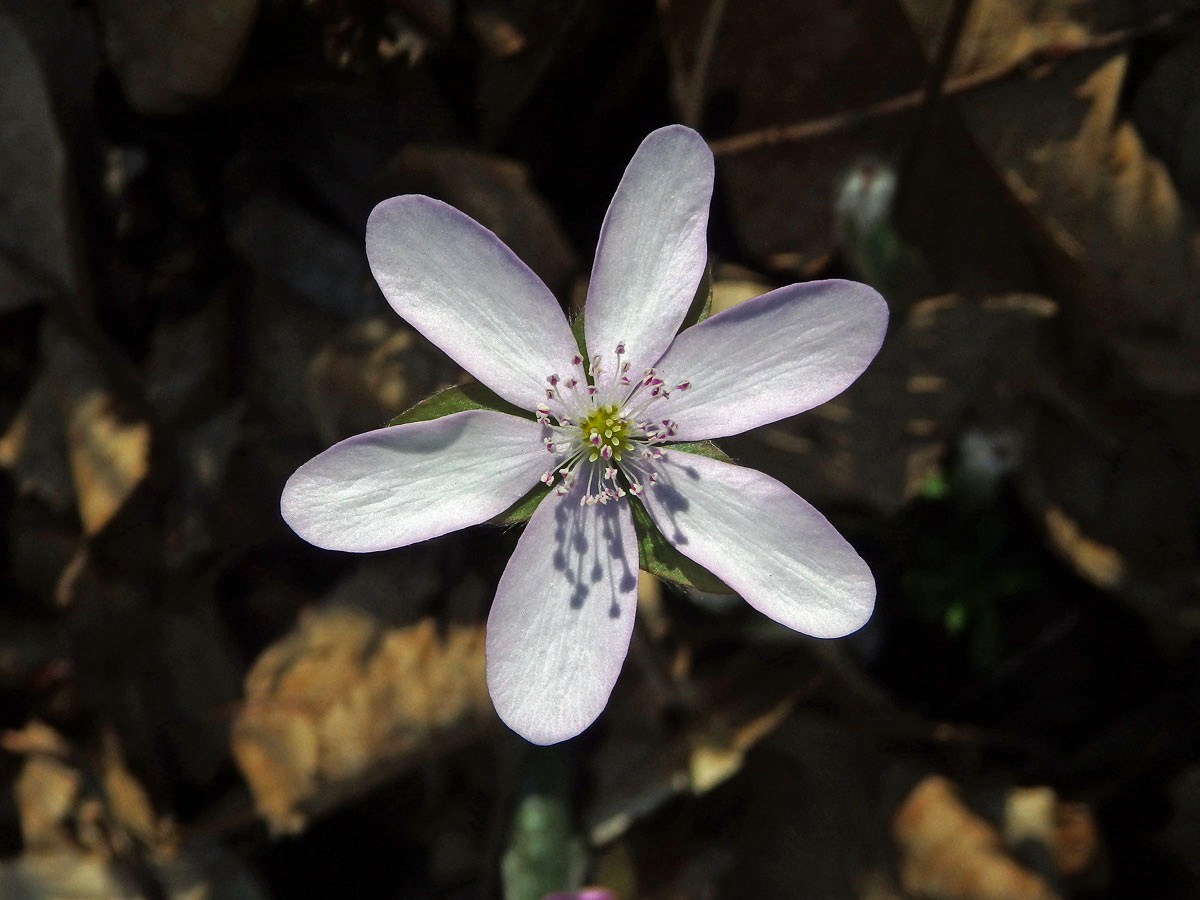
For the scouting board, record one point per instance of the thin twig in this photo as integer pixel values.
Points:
(1034, 64)
(692, 103)
(691, 87)
(952, 31)
(935, 83)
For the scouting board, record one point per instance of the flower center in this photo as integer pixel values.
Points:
(607, 432)
(606, 429)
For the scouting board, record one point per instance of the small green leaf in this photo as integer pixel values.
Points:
(703, 448)
(701, 307)
(522, 510)
(476, 396)
(658, 557)
(577, 332)
(935, 486)
(458, 399)
(955, 619)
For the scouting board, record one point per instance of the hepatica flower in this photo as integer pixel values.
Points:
(599, 430)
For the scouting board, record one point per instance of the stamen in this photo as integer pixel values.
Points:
(603, 438)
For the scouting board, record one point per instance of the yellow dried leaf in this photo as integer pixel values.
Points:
(949, 853)
(109, 457)
(344, 700)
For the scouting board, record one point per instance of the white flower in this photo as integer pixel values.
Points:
(559, 627)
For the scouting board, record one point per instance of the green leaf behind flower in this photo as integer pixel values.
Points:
(701, 307)
(702, 448)
(458, 399)
(657, 555)
(475, 396)
(660, 558)
(522, 510)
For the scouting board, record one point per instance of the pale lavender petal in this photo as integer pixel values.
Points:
(771, 357)
(461, 287)
(652, 249)
(408, 483)
(559, 627)
(763, 541)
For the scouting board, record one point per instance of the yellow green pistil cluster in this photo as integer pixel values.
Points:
(604, 427)
(601, 430)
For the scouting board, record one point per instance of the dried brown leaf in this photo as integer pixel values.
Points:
(776, 62)
(34, 448)
(947, 852)
(1098, 563)
(344, 701)
(169, 56)
(200, 872)
(999, 33)
(109, 456)
(37, 254)
(1121, 242)
(1108, 218)
(46, 793)
(108, 449)
(368, 373)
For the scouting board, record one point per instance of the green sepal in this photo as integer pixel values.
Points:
(658, 557)
(701, 307)
(580, 341)
(458, 399)
(702, 448)
(521, 511)
(476, 396)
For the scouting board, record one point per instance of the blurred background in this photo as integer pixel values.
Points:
(197, 705)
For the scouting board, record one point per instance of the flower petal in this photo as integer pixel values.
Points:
(772, 357)
(408, 483)
(763, 541)
(461, 287)
(559, 627)
(652, 248)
